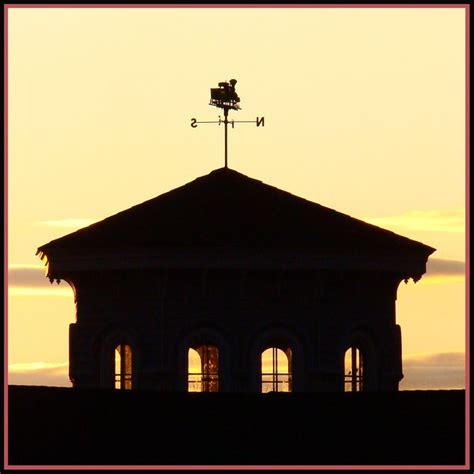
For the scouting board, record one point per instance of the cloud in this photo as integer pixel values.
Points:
(39, 373)
(427, 220)
(442, 359)
(31, 276)
(70, 223)
(13, 291)
(434, 371)
(433, 378)
(51, 367)
(30, 280)
(444, 271)
(436, 266)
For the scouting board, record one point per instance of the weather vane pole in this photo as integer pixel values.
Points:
(225, 97)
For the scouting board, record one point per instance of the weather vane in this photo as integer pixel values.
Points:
(225, 97)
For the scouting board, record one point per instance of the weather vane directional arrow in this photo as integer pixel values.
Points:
(226, 98)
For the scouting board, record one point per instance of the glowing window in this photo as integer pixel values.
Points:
(353, 370)
(123, 367)
(276, 370)
(203, 369)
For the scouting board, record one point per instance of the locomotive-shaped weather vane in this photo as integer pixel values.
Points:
(225, 97)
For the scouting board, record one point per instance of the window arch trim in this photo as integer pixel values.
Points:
(362, 340)
(108, 343)
(202, 336)
(284, 338)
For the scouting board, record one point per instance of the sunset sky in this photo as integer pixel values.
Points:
(365, 112)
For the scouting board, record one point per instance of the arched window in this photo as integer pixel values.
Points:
(276, 370)
(203, 369)
(123, 367)
(353, 370)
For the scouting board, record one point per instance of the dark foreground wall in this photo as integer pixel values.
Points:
(72, 426)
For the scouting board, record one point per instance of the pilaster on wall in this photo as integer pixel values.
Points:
(83, 365)
(391, 373)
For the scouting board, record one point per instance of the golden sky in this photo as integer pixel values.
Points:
(364, 113)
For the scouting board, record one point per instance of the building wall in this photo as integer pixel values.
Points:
(161, 313)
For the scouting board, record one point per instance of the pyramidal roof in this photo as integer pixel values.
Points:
(228, 209)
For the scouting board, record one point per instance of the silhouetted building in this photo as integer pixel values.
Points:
(227, 271)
